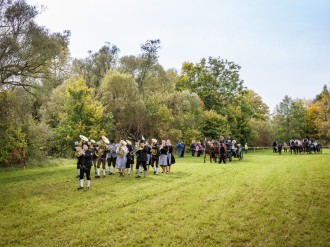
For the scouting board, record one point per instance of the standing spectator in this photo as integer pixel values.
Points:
(180, 147)
(202, 147)
(246, 148)
(193, 148)
(199, 149)
(183, 150)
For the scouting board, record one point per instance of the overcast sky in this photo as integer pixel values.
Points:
(283, 46)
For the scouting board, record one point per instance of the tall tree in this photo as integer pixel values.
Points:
(96, 65)
(119, 95)
(216, 81)
(73, 110)
(318, 117)
(289, 119)
(26, 49)
(149, 58)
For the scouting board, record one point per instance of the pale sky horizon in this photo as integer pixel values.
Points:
(282, 46)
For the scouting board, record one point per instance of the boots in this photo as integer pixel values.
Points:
(81, 184)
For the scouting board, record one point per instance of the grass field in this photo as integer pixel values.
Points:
(264, 200)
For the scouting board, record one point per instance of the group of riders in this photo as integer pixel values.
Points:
(120, 156)
(298, 146)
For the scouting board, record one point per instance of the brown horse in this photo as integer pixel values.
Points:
(213, 150)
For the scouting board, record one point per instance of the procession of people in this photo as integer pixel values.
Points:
(120, 157)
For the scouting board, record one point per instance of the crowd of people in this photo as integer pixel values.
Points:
(120, 158)
(111, 158)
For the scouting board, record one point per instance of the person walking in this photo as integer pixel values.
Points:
(85, 166)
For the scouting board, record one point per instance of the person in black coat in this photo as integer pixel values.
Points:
(223, 152)
(130, 157)
(171, 159)
(141, 159)
(154, 155)
(86, 156)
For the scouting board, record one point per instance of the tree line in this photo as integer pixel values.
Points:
(48, 98)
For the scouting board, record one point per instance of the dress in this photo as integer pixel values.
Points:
(121, 159)
(163, 161)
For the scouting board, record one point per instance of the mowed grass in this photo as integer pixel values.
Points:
(264, 200)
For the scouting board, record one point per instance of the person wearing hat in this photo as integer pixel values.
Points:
(112, 157)
(163, 158)
(92, 147)
(102, 154)
(130, 157)
(141, 159)
(85, 167)
(154, 155)
(78, 149)
(121, 157)
(80, 158)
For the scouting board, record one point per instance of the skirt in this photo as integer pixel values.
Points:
(163, 160)
(121, 162)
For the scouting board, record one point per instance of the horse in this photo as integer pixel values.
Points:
(305, 145)
(212, 149)
(275, 148)
(292, 146)
(299, 146)
(296, 146)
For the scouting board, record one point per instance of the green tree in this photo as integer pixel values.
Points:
(318, 117)
(119, 95)
(249, 107)
(96, 65)
(144, 68)
(82, 114)
(26, 49)
(214, 125)
(184, 111)
(13, 139)
(216, 81)
(149, 59)
(262, 133)
(289, 119)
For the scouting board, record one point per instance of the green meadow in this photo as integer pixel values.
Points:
(264, 200)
